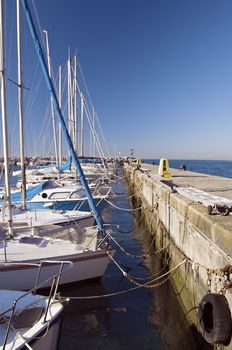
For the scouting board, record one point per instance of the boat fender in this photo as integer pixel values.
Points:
(49, 205)
(215, 319)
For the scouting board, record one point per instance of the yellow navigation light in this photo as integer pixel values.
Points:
(164, 168)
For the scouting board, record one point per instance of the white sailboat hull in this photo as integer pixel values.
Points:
(33, 218)
(19, 257)
(86, 266)
(51, 340)
(25, 330)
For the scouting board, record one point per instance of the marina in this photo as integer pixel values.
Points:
(127, 316)
(100, 249)
(100, 307)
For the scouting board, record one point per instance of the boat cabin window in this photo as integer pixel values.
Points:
(78, 194)
(59, 195)
(32, 240)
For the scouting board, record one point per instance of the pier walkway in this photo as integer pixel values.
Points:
(178, 215)
(213, 185)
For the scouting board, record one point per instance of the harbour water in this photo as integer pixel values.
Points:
(145, 318)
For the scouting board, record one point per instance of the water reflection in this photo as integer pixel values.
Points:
(145, 319)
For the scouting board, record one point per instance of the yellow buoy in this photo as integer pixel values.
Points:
(164, 168)
(139, 163)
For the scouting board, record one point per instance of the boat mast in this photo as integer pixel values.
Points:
(72, 125)
(61, 119)
(97, 142)
(52, 105)
(74, 106)
(4, 121)
(94, 140)
(69, 93)
(75, 103)
(82, 124)
(60, 104)
(99, 148)
(90, 135)
(20, 105)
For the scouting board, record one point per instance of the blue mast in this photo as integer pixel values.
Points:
(60, 116)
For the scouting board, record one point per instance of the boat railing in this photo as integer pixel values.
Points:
(54, 280)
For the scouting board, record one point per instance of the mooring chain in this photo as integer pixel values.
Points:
(124, 209)
(137, 286)
(153, 283)
(221, 279)
(143, 256)
(134, 227)
(132, 209)
(209, 280)
(121, 195)
(148, 284)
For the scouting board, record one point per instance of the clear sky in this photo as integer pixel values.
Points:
(159, 72)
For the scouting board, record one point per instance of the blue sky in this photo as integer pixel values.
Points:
(159, 73)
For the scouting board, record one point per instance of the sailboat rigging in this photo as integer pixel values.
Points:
(52, 91)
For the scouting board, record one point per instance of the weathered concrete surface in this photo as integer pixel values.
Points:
(205, 240)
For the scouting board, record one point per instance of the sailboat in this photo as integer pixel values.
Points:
(51, 195)
(19, 256)
(29, 319)
(37, 217)
(27, 327)
(89, 252)
(69, 198)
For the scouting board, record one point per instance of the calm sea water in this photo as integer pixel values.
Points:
(145, 319)
(211, 167)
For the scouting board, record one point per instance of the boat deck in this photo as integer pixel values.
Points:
(37, 248)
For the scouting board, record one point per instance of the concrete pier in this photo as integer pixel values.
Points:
(185, 227)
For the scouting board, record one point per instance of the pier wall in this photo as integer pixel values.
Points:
(188, 232)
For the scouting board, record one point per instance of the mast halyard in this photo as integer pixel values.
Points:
(20, 105)
(60, 104)
(82, 125)
(75, 126)
(4, 120)
(52, 105)
(60, 116)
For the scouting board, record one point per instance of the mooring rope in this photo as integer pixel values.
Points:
(138, 286)
(118, 177)
(134, 226)
(132, 279)
(120, 195)
(154, 275)
(126, 209)
(157, 273)
(143, 256)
